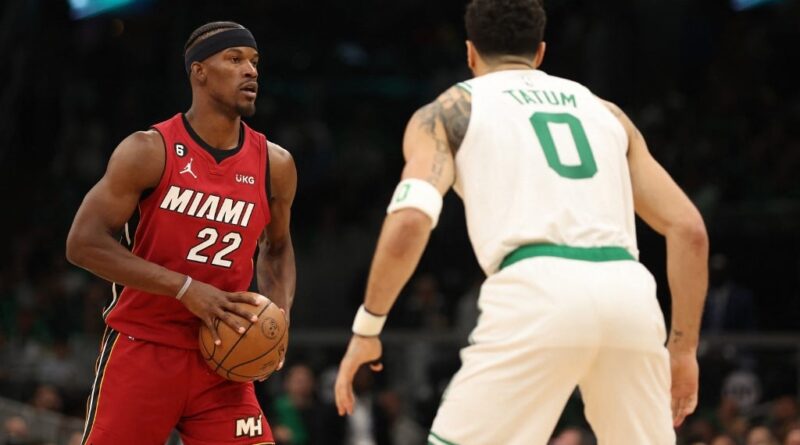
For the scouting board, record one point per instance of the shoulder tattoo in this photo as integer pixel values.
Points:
(453, 109)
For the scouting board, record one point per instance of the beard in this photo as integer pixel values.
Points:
(246, 110)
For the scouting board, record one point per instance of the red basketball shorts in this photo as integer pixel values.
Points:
(143, 390)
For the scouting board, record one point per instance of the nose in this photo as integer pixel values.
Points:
(251, 71)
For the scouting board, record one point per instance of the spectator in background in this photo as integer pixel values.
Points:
(793, 436)
(573, 436)
(724, 439)
(367, 424)
(403, 430)
(783, 415)
(47, 398)
(730, 419)
(761, 435)
(426, 304)
(293, 420)
(699, 429)
(15, 431)
(729, 306)
(58, 367)
(75, 438)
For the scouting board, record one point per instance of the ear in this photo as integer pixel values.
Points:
(471, 55)
(537, 59)
(199, 72)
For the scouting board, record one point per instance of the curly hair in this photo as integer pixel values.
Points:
(505, 27)
(208, 30)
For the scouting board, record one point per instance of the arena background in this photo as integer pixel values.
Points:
(711, 84)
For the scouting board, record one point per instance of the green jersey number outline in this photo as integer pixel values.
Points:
(587, 168)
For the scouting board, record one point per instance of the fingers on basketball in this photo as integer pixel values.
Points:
(241, 311)
(250, 355)
(230, 320)
(209, 322)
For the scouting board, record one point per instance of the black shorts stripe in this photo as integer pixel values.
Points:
(100, 347)
(91, 405)
(127, 240)
(116, 290)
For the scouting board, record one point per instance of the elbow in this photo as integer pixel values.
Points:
(413, 223)
(75, 249)
(692, 233)
(408, 227)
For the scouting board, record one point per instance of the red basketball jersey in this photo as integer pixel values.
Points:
(203, 219)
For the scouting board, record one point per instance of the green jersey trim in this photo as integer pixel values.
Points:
(606, 253)
(434, 439)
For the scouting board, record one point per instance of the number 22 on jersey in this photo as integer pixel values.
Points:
(209, 235)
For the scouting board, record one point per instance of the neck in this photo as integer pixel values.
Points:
(217, 129)
(505, 63)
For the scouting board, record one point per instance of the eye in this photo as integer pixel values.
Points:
(236, 59)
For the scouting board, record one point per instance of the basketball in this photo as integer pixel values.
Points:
(250, 356)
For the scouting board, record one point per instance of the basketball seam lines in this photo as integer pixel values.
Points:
(285, 330)
(241, 336)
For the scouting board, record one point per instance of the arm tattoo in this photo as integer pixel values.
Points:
(451, 110)
(676, 336)
(456, 112)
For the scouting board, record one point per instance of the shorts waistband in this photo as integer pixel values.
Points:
(605, 253)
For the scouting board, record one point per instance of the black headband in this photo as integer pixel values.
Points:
(216, 43)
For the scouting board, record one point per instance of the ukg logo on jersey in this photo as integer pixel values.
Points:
(245, 179)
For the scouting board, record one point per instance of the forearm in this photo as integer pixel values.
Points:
(276, 274)
(400, 246)
(109, 260)
(687, 271)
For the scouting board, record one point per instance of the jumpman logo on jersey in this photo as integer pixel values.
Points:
(188, 169)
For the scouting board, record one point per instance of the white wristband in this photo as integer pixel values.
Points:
(418, 194)
(185, 287)
(366, 324)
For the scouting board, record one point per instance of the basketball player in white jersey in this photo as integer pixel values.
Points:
(550, 176)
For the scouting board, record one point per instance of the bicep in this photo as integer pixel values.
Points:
(107, 206)
(426, 150)
(134, 166)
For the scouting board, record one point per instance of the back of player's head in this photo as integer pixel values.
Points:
(205, 31)
(505, 27)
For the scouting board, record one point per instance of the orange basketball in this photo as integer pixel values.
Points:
(250, 356)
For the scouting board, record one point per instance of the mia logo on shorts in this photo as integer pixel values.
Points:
(249, 427)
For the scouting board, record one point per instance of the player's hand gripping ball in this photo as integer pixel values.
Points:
(254, 355)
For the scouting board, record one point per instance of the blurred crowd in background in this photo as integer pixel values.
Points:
(711, 88)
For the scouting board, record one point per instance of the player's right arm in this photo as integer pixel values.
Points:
(663, 206)
(135, 166)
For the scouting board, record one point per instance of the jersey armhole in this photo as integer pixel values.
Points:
(147, 193)
(269, 178)
(472, 119)
(266, 191)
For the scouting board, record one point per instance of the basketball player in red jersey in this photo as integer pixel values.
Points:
(208, 189)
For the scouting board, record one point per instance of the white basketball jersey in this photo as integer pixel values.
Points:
(543, 161)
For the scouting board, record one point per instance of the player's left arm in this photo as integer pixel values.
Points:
(431, 139)
(275, 266)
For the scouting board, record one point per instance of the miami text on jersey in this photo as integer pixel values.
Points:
(210, 207)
